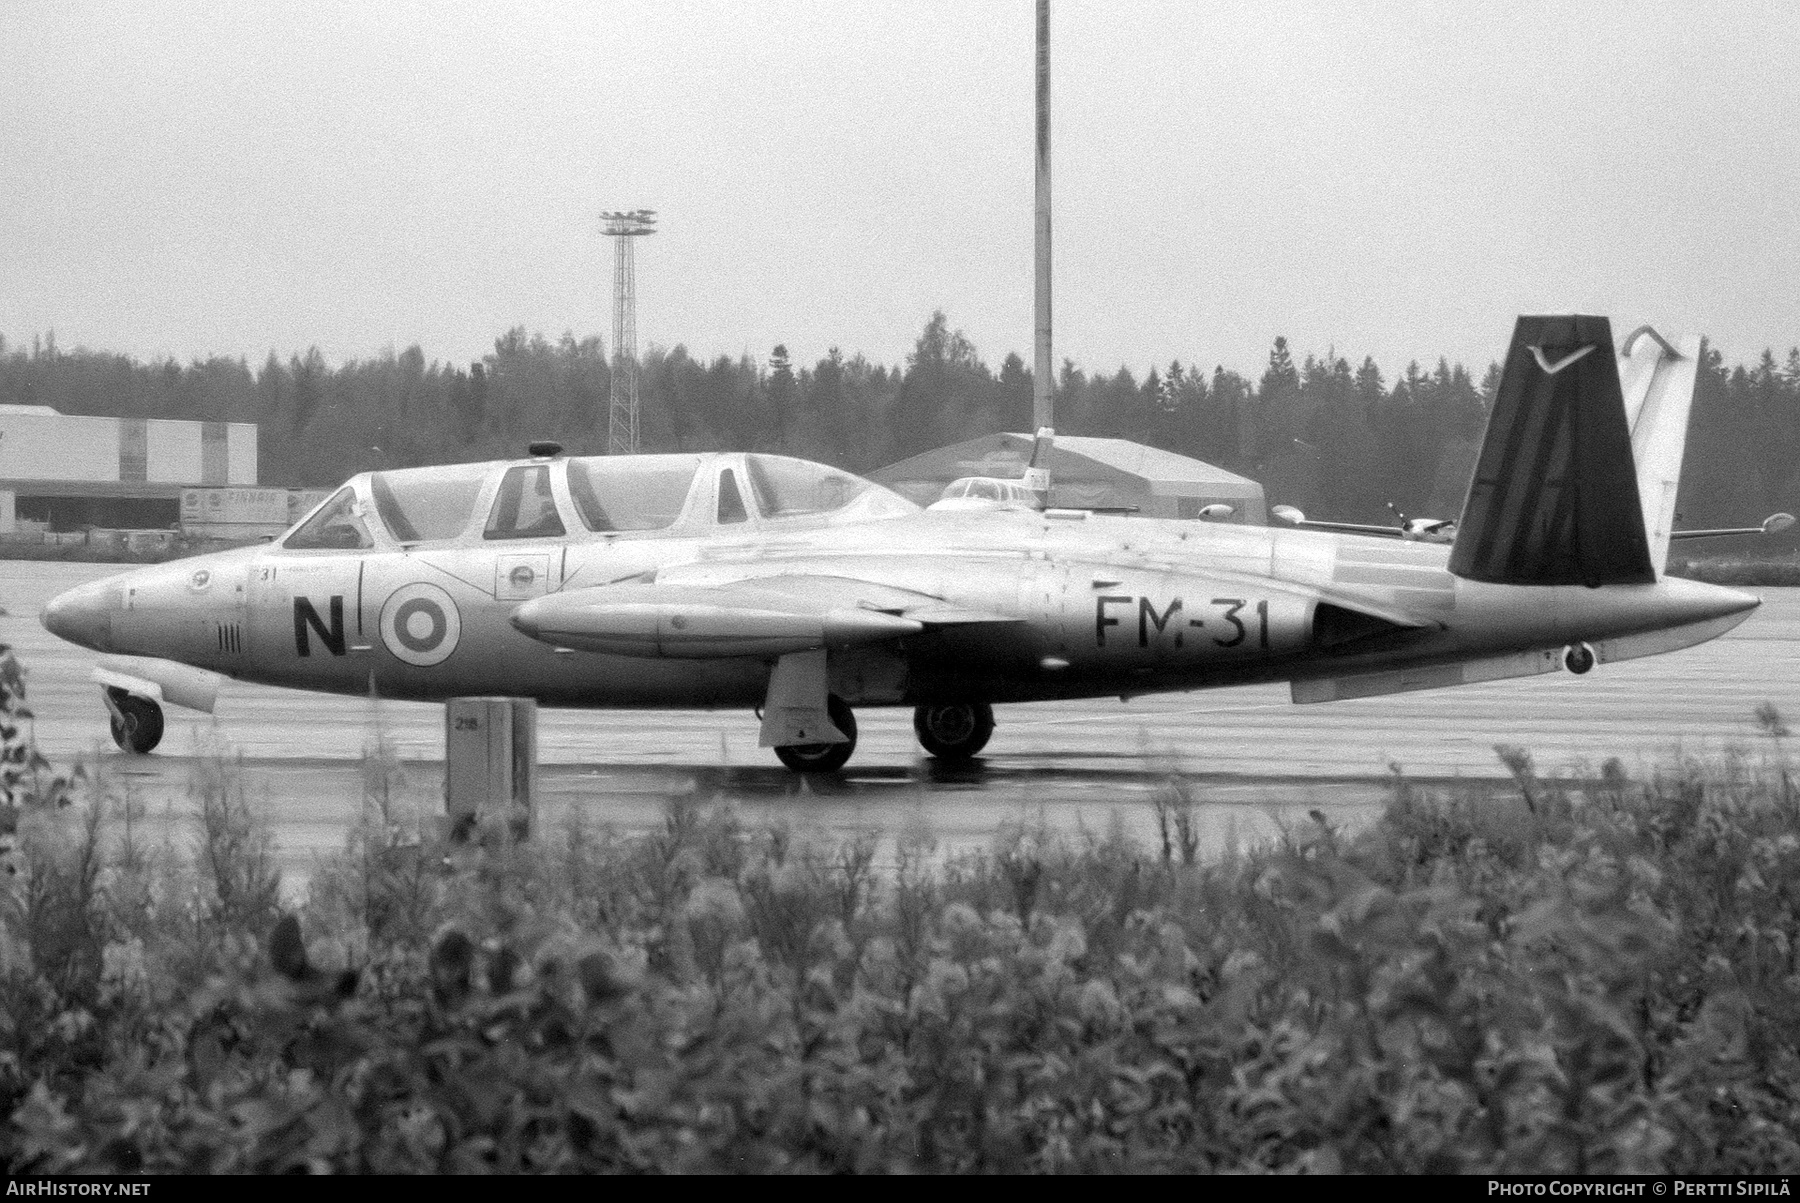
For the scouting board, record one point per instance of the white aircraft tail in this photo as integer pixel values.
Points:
(1657, 380)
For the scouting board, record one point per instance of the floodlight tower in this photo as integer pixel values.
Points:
(1043, 391)
(624, 228)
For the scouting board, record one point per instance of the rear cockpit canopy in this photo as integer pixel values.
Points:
(607, 497)
(630, 493)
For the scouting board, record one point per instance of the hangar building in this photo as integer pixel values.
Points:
(1086, 473)
(60, 472)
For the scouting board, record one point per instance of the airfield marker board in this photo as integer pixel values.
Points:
(490, 759)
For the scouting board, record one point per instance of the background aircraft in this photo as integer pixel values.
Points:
(1031, 491)
(768, 583)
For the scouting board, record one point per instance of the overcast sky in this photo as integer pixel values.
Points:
(1397, 179)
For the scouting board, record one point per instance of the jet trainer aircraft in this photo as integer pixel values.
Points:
(803, 592)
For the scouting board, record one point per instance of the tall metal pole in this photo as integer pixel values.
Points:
(622, 419)
(1043, 399)
(622, 425)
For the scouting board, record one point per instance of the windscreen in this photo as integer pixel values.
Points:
(336, 527)
(422, 504)
(636, 492)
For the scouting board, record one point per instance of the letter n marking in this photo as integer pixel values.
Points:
(306, 616)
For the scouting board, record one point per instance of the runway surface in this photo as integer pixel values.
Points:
(1252, 757)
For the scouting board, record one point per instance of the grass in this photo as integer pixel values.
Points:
(1563, 978)
(1729, 570)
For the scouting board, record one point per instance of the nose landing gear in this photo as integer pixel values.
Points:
(137, 723)
(954, 732)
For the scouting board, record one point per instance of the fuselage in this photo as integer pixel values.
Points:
(1054, 605)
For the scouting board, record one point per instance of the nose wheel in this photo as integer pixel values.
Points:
(824, 758)
(137, 723)
(954, 732)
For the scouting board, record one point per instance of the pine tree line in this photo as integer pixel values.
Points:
(1337, 440)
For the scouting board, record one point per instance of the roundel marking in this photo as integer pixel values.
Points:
(420, 625)
(200, 580)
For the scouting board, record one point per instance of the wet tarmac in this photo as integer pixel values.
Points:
(1252, 760)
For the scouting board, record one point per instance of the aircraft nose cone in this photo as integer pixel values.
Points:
(82, 616)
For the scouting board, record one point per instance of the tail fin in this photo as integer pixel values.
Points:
(1037, 472)
(1658, 381)
(1555, 499)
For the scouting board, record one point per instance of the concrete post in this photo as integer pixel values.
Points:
(490, 761)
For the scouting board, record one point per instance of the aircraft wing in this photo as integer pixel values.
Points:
(1351, 528)
(1773, 524)
(1720, 533)
(759, 616)
(1425, 530)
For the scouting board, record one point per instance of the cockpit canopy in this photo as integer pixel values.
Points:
(640, 492)
(421, 505)
(604, 496)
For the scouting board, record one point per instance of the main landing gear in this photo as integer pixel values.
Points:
(954, 732)
(137, 723)
(824, 758)
(951, 733)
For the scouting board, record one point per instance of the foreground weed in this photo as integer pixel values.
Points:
(1564, 975)
(1177, 831)
(236, 854)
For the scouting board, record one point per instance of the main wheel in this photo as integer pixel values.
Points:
(138, 726)
(824, 758)
(954, 732)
